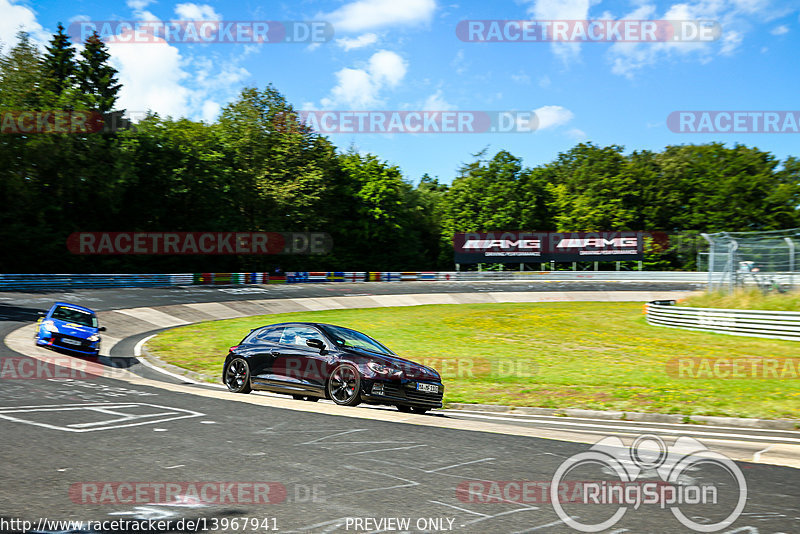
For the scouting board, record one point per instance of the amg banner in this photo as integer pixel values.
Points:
(531, 247)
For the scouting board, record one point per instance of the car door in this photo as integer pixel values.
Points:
(260, 351)
(298, 368)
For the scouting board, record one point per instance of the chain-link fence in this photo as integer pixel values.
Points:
(767, 260)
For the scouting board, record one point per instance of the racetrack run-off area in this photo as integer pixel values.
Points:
(590, 355)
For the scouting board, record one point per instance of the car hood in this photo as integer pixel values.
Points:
(73, 329)
(410, 369)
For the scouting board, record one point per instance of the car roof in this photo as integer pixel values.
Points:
(75, 306)
(301, 323)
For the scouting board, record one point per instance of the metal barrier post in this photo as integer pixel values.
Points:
(791, 261)
(710, 261)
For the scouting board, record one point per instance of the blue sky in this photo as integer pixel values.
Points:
(405, 55)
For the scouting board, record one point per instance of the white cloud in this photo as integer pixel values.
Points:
(387, 67)
(138, 5)
(359, 88)
(152, 78)
(735, 17)
(544, 81)
(577, 134)
(363, 15)
(458, 64)
(210, 111)
(359, 42)
(16, 17)
(521, 77)
(436, 102)
(628, 57)
(191, 11)
(730, 42)
(562, 10)
(552, 116)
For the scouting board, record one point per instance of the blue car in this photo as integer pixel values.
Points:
(69, 327)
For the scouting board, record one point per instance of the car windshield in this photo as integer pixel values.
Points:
(71, 315)
(344, 337)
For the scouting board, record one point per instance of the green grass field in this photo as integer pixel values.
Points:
(556, 355)
(746, 299)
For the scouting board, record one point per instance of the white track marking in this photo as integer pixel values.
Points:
(459, 465)
(639, 429)
(757, 455)
(137, 353)
(461, 509)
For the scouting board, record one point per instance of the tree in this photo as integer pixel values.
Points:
(59, 69)
(97, 79)
(20, 75)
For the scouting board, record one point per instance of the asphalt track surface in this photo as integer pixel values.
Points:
(65, 441)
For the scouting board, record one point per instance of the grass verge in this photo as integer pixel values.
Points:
(556, 355)
(745, 299)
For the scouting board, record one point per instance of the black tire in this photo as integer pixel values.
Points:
(403, 408)
(417, 409)
(344, 385)
(236, 376)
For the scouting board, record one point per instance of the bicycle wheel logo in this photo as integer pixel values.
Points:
(648, 472)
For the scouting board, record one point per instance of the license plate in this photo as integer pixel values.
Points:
(70, 341)
(427, 388)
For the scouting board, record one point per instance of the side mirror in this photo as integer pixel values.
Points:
(315, 343)
(101, 329)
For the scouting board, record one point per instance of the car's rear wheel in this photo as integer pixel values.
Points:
(344, 385)
(236, 376)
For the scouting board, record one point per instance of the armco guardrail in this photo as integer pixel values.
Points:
(40, 282)
(755, 323)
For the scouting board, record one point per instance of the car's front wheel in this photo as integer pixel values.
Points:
(344, 385)
(236, 376)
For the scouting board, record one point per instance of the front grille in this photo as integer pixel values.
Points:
(422, 396)
(59, 339)
(408, 391)
(392, 390)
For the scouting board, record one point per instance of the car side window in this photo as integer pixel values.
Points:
(270, 335)
(298, 335)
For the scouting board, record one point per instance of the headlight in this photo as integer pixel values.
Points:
(50, 326)
(382, 369)
(94, 337)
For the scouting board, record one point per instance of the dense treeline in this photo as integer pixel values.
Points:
(258, 169)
